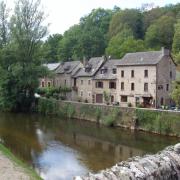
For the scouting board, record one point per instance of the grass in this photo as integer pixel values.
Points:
(28, 170)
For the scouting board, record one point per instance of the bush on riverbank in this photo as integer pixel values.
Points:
(160, 122)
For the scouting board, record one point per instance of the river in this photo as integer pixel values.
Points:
(60, 149)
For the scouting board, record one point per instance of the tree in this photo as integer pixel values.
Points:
(176, 39)
(50, 48)
(123, 43)
(20, 65)
(160, 33)
(69, 46)
(176, 92)
(4, 30)
(129, 18)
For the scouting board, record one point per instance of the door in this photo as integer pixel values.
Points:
(99, 98)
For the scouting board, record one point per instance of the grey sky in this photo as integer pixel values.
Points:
(64, 13)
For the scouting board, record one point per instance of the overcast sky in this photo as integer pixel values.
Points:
(64, 13)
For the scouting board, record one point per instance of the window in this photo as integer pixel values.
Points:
(170, 74)
(114, 71)
(89, 94)
(132, 86)
(81, 82)
(65, 82)
(167, 87)
(123, 98)
(160, 87)
(81, 93)
(49, 84)
(104, 70)
(122, 73)
(132, 73)
(99, 84)
(145, 87)
(89, 82)
(122, 86)
(42, 84)
(145, 73)
(112, 85)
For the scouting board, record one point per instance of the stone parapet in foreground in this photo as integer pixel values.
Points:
(164, 165)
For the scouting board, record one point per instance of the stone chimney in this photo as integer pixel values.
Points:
(84, 61)
(165, 52)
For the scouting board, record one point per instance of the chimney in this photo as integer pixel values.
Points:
(165, 52)
(84, 61)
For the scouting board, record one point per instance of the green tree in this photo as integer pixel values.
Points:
(4, 30)
(69, 46)
(50, 48)
(19, 64)
(130, 18)
(176, 92)
(176, 39)
(89, 38)
(160, 33)
(124, 43)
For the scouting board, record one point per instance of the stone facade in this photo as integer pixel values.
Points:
(138, 79)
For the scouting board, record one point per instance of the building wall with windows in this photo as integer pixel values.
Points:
(105, 86)
(84, 89)
(136, 84)
(166, 73)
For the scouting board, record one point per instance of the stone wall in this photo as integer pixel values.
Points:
(151, 120)
(164, 165)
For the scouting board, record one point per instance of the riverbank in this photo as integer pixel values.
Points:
(149, 120)
(13, 168)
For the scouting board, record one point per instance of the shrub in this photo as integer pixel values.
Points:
(111, 118)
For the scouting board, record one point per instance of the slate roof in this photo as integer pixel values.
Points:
(141, 58)
(52, 66)
(93, 64)
(68, 67)
(109, 65)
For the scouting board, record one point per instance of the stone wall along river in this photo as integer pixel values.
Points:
(164, 165)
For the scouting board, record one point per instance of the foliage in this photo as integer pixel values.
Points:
(129, 18)
(160, 33)
(111, 118)
(54, 92)
(160, 122)
(50, 48)
(176, 42)
(20, 65)
(106, 97)
(175, 95)
(122, 44)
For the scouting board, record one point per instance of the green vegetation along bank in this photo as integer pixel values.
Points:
(156, 121)
(12, 167)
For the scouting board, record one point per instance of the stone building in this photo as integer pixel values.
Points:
(146, 78)
(142, 78)
(48, 81)
(105, 83)
(84, 78)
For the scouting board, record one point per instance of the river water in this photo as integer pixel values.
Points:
(60, 149)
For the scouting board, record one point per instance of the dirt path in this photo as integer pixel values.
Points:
(10, 171)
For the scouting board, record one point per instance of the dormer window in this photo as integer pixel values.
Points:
(114, 71)
(67, 68)
(103, 70)
(88, 68)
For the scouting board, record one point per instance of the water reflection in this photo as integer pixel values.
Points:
(61, 149)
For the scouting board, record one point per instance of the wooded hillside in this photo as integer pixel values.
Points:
(116, 32)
